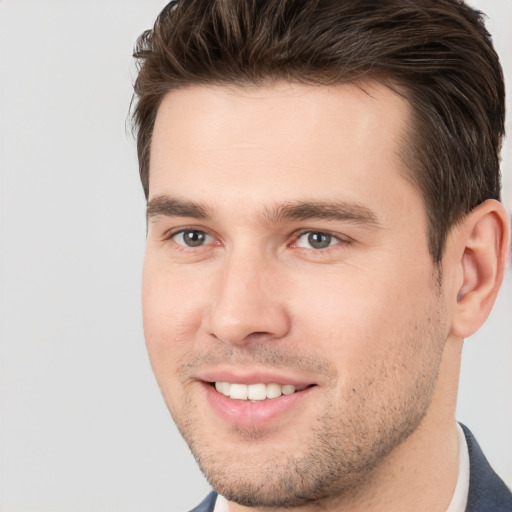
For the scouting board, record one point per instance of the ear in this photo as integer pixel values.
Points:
(482, 242)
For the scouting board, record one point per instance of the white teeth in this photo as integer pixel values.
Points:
(273, 391)
(223, 387)
(255, 391)
(238, 391)
(288, 389)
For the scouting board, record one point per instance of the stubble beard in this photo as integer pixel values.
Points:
(337, 455)
(334, 465)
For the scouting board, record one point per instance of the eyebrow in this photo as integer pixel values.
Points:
(172, 207)
(298, 211)
(323, 210)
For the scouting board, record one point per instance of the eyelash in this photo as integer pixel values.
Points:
(339, 240)
(171, 235)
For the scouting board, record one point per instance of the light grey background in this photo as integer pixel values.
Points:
(82, 423)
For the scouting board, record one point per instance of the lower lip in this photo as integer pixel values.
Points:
(261, 413)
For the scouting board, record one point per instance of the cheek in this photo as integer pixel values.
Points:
(171, 317)
(356, 317)
(170, 299)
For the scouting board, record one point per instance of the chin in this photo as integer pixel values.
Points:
(328, 462)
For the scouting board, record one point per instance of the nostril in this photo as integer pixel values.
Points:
(258, 335)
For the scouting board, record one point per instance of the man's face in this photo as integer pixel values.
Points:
(286, 248)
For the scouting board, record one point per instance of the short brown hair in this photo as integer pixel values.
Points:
(436, 53)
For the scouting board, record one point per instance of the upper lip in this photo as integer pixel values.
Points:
(251, 377)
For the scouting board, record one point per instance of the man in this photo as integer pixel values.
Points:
(324, 230)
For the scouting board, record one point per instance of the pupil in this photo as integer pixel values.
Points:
(319, 240)
(194, 238)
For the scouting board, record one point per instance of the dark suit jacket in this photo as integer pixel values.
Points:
(487, 492)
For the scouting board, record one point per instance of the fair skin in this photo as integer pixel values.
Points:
(286, 247)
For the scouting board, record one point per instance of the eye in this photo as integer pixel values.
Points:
(192, 238)
(316, 240)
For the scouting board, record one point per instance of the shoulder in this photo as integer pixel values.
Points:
(487, 491)
(207, 505)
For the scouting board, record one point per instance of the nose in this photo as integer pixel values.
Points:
(248, 303)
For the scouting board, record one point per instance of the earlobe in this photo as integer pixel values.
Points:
(484, 238)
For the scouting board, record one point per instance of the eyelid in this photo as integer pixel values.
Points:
(341, 239)
(171, 234)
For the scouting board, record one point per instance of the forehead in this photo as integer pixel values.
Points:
(287, 139)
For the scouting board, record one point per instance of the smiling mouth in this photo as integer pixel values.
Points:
(255, 392)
